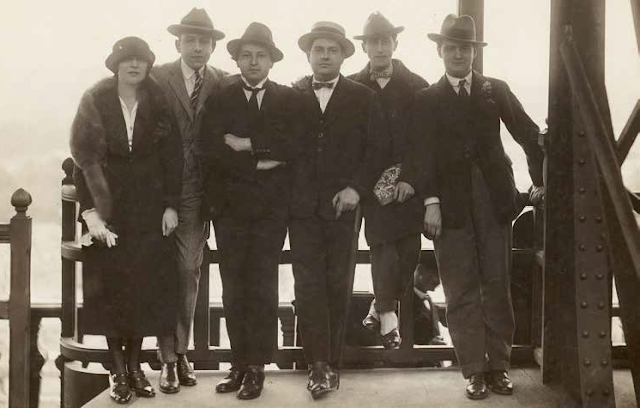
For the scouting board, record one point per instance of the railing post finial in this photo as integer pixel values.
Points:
(67, 167)
(21, 200)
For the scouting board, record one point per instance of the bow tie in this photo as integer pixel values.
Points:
(250, 89)
(379, 74)
(320, 85)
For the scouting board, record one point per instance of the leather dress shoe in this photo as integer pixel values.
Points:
(499, 382)
(252, 384)
(119, 390)
(391, 340)
(140, 385)
(319, 383)
(477, 387)
(186, 376)
(169, 383)
(371, 323)
(334, 377)
(231, 382)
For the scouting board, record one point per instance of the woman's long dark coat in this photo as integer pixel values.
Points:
(129, 290)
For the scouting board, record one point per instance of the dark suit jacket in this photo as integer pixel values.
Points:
(232, 182)
(171, 79)
(394, 220)
(337, 149)
(454, 137)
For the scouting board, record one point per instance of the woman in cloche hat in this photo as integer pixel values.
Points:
(128, 161)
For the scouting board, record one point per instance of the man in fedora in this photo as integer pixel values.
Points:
(187, 83)
(471, 199)
(392, 227)
(336, 167)
(247, 137)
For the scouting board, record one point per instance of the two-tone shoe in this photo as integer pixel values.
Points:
(119, 390)
(140, 385)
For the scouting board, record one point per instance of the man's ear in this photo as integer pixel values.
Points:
(178, 45)
(395, 44)
(364, 46)
(213, 46)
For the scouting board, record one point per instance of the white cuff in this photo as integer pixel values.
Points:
(431, 200)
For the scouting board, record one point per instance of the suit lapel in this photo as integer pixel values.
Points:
(451, 111)
(338, 99)
(176, 80)
(210, 79)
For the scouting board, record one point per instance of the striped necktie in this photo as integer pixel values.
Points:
(196, 90)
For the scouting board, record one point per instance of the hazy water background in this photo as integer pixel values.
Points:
(54, 51)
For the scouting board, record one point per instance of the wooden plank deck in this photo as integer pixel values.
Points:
(379, 388)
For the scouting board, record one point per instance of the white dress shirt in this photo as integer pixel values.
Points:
(455, 82)
(260, 94)
(324, 94)
(189, 76)
(129, 119)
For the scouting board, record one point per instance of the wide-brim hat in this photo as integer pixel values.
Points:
(378, 25)
(197, 21)
(327, 29)
(129, 47)
(454, 28)
(256, 33)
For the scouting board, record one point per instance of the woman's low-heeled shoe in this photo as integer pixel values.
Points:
(371, 323)
(119, 390)
(140, 385)
(391, 340)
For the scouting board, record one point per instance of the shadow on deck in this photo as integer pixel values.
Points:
(382, 388)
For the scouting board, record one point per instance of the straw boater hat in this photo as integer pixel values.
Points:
(377, 25)
(129, 47)
(256, 33)
(456, 28)
(327, 29)
(197, 21)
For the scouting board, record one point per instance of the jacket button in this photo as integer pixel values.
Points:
(321, 135)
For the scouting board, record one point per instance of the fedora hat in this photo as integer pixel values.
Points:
(377, 25)
(255, 33)
(129, 47)
(327, 29)
(197, 21)
(456, 28)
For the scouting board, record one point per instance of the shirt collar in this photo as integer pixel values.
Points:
(259, 85)
(333, 81)
(188, 72)
(454, 81)
(388, 69)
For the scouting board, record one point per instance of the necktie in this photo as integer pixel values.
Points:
(196, 90)
(253, 101)
(462, 91)
(379, 74)
(320, 85)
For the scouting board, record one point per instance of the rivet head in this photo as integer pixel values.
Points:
(599, 248)
(584, 305)
(582, 247)
(582, 218)
(582, 190)
(606, 392)
(598, 219)
(583, 276)
(600, 276)
(587, 362)
(604, 363)
(585, 334)
(602, 334)
(582, 162)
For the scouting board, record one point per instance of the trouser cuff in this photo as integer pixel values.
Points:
(473, 368)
